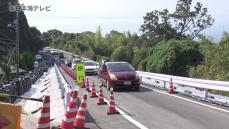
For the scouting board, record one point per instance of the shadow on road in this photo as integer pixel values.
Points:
(142, 89)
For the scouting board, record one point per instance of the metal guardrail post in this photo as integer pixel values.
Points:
(164, 84)
(206, 94)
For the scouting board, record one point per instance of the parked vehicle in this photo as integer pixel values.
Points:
(119, 75)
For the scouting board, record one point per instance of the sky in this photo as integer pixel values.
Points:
(122, 15)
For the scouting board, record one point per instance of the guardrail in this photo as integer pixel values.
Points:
(63, 86)
(198, 83)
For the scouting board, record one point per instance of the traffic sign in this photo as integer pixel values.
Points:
(10, 116)
(80, 72)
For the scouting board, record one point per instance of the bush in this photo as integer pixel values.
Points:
(26, 60)
(142, 65)
(122, 53)
(174, 57)
(139, 55)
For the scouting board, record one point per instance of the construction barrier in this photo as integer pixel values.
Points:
(64, 86)
(69, 71)
(10, 116)
(44, 119)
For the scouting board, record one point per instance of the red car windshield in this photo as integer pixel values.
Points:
(119, 67)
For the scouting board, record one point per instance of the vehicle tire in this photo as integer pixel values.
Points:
(108, 86)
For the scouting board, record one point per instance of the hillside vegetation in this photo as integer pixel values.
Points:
(30, 38)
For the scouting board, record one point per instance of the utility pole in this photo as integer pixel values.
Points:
(17, 30)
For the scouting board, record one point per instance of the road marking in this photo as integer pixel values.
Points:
(126, 116)
(205, 105)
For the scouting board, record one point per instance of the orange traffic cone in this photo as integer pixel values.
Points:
(70, 114)
(81, 113)
(101, 97)
(111, 106)
(93, 92)
(171, 88)
(44, 120)
(87, 86)
(83, 84)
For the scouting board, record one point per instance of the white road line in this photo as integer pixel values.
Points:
(126, 116)
(205, 105)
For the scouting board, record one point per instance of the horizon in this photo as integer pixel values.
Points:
(78, 16)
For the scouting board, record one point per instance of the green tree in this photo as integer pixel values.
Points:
(215, 65)
(174, 57)
(138, 56)
(157, 26)
(122, 53)
(190, 22)
(185, 23)
(26, 60)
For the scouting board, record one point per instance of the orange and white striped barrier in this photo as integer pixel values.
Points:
(44, 120)
(70, 114)
(81, 113)
(111, 106)
(93, 92)
(83, 84)
(101, 96)
(88, 86)
(171, 88)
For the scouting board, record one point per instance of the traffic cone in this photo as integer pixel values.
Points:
(111, 106)
(83, 84)
(70, 114)
(101, 97)
(93, 92)
(81, 113)
(88, 86)
(44, 120)
(171, 88)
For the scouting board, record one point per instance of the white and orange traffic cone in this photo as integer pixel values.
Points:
(111, 106)
(101, 97)
(93, 92)
(70, 114)
(79, 122)
(88, 86)
(44, 120)
(171, 88)
(83, 84)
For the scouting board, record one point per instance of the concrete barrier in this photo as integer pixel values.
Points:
(65, 88)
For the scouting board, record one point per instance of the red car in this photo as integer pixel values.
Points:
(119, 75)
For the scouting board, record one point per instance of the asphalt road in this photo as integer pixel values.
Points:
(96, 116)
(159, 111)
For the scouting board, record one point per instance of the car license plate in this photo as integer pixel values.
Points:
(127, 83)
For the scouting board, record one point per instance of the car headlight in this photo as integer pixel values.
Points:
(113, 77)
